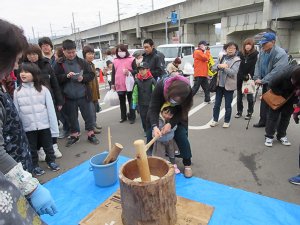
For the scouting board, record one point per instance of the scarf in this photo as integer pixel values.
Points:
(148, 76)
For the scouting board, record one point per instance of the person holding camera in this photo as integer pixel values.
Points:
(246, 71)
(201, 57)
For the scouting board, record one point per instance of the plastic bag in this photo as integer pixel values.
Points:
(129, 82)
(111, 98)
(248, 86)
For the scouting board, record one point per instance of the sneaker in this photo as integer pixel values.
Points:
(284, 141)
(63, 134)
(188, 173)
(38, 171)
(269, 142)
(226, 125)
(213, 123)
(98, 127)
(295, 180)
(92, 139)
(53, 166)
(97, 131)
(41, 155)
(177, 171)
(238, 115)
(248, 116)
(57, 153)
(72, 140)
(207, 102)
(177, 152)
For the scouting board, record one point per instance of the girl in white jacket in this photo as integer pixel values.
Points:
(35, 106)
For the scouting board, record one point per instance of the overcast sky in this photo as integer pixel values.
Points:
(39, 14)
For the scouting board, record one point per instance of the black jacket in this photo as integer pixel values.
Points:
(281, 83)
(49, 79)
(88, 74)
(247, 65)
(156, 64)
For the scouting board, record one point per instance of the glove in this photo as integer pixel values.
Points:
(296, 114)
(42, 201)
(133, 106)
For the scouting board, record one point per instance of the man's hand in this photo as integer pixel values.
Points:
(156, 132)
(258, 82)
(166, 128)
(71, 74)
(80, 78)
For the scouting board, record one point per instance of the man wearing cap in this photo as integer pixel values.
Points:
(271, 60)
(142, 90)
(201, 58)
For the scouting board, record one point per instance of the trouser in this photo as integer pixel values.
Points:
(122, 97)
(44, 138)
(182, 141)
(64, 118)
(203, 82)
(86, 112)
(239, 102)
(94, 106)
(264, 108)
(279, 120)
(228, 95)
(143, 113)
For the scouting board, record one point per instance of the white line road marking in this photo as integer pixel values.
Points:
(195, 109)
(206, 126)
(110, 108)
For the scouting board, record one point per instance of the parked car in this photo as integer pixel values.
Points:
(183, 51)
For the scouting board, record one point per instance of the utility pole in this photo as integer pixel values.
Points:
(33, 34)
(167, 39)
(119, 31)
(99, 30)
(74, 28)
(179, 30)
(51, 31)
(152, 5)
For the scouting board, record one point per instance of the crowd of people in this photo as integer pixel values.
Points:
(49, 87)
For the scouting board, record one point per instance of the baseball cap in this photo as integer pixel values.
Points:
(267, 37)
(203, 43)
(143, 65)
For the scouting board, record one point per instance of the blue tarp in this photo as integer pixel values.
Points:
(76, 195)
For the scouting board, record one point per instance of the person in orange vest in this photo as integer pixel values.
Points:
(201, 57)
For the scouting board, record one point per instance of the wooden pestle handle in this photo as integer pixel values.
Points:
(151, 143)
(142, 160)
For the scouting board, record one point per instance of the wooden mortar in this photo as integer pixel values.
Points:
(148, 203)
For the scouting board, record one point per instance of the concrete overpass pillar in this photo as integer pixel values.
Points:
(283, 32)
(224, 29)
(205, 32)
(189, 33)
(267, 14)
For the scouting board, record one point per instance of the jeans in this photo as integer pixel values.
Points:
(44, 138)
(203, 81)
(279, 120)
(86, 112)
(182, 141)
(239, 103)
(122, 97)
(228, 95)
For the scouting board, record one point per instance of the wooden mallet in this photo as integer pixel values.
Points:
(113, 151)
(142, 160)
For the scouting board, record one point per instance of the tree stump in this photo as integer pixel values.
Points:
(148, 203)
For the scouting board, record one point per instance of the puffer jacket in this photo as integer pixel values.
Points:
(36, 109)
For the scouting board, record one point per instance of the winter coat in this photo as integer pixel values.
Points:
(118, 76)
(69, 83)
(278, 60)
(35, 108)
(229, 74)
(247, 65)
(201, 59)
(155, 63)
(94, 86)
(172, 68)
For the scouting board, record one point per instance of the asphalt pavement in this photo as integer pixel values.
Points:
(232, 156)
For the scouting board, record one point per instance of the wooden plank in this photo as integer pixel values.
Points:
(188, 212)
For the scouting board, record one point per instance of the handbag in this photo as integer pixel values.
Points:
(212, 87)
(248, 86)
(273, 100)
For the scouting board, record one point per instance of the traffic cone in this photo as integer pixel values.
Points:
(101, 78)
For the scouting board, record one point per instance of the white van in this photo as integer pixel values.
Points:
(183, 51)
